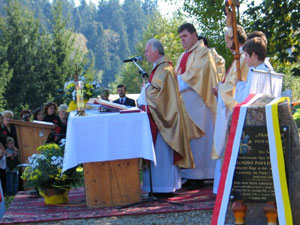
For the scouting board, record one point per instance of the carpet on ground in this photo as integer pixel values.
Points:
(27, 208)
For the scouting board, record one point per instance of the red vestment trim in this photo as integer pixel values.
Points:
(153, 127)
(183, 61)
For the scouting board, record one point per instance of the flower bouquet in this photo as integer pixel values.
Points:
(90, 90)
(43, 172)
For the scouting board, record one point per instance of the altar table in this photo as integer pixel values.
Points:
(109, 145)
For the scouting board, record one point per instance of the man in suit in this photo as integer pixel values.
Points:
(123, 99)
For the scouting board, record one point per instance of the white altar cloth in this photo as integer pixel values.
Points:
(100, 137)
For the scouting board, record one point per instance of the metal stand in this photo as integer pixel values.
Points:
(151, 197)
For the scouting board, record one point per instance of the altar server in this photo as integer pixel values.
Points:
(169, 133)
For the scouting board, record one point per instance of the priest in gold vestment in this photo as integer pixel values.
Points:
(196, 73)
(171, 141)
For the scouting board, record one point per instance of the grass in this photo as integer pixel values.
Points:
(8, 200)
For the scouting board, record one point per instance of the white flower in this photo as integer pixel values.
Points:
(58, 161)
(74, 95)
(62, 142)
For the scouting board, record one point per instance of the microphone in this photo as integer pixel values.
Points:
(134, 59)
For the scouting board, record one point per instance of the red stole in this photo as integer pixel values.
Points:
(153, 126)
(183, 61)
(154, 129)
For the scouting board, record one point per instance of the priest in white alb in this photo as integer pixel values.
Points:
(196, 73)
(172, 148)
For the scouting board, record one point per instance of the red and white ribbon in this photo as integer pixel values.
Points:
(230, 158)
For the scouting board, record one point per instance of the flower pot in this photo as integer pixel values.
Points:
(54, 196)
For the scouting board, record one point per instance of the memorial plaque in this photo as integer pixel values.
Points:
(253, 179)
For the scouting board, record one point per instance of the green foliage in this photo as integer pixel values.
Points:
(135, 21)
(280, 21)
(289, 81)
(44, 169)
(38, 62)
(90, 89)
(296, 117)
(20, 32)
(210, 19)
(160, 28)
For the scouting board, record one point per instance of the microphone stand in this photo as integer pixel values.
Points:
(151, 197)
(142, 72)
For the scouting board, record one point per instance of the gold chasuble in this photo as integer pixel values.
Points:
(220, 64)
(227, 88)
(166, 110)
(200, 74)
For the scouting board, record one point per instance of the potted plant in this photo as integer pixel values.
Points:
(43, 172)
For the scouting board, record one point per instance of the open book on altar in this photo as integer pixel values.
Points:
(107, 104)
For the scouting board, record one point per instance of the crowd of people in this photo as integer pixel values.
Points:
(9, 149)
(188, 106)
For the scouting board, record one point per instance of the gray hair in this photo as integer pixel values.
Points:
(156, 45)
(8, 113)
(62, 107)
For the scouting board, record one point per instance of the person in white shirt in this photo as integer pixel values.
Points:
(255, 51)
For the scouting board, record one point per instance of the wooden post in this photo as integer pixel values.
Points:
(233, 4)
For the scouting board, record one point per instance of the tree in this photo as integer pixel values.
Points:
(160, 28)
(5, 71)
(20, 33)
(280, 21)
(39, 62)
(135, 21)
(150, 7)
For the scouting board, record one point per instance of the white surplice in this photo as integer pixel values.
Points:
(201, 147)
(243, 89)
(165, 175)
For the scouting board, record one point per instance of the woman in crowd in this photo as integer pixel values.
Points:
(50, 111)
(39, 115)
(25, 115)
(63, 116)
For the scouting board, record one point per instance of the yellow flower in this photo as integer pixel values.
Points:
(79, 169)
